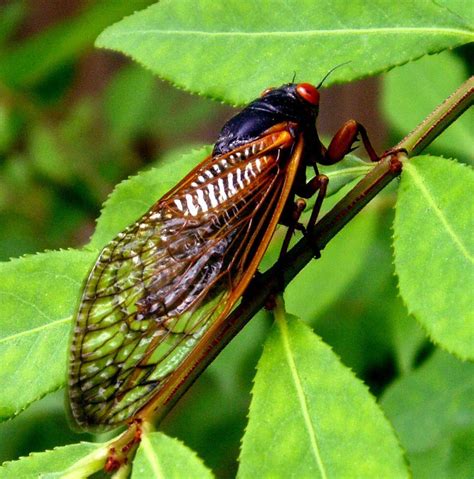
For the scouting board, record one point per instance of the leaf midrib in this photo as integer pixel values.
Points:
(356, 170)
(152, 458)
(318, 32)
(281, 322)
(420, 184)
(27, 332)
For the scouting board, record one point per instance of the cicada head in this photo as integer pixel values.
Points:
(297, 103)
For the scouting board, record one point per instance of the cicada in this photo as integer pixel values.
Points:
(159, 290)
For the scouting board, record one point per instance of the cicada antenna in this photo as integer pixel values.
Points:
(329, 72)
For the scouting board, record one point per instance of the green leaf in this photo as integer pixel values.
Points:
(407, 337)
(432, 411)
(47, 156)
(218, 425)
(458, 7)
(234, 50)
(129, 102)
(137, 104)
(414, 90)
(47, 465)
(133, 197)
(321, 282)
(42, 426)
(311, 417)
(30, 61)
(434, 249)
(343, 172)
(38, 295)
(364, 319)
(163, 457)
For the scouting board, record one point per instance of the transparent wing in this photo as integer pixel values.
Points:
(158, 286)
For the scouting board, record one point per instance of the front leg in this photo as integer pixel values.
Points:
(341, 144)
(343, 141)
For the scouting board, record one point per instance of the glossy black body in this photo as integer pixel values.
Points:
(277, 106)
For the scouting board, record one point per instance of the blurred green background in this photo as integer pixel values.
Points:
(75, 121)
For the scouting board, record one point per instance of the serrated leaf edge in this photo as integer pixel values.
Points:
(38, 453)
(410, 311)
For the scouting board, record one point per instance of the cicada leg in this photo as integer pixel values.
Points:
(343, 141)
(293, 224)
(317, 184)
(341, 144)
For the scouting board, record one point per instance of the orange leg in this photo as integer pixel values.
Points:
(343, 141)
(341, 144)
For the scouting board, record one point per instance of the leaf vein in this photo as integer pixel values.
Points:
(281, 322)
(320, 32)
(411, 169)
(35, 330)
(151, 456)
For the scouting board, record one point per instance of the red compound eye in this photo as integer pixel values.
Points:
(308, 92)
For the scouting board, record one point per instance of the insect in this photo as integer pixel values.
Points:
(164, 284)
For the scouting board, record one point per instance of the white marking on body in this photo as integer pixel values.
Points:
(230, 182)
(193, 210)
(222, 195)
(201, 200)
(239, 178)
(208, 174)
(248, 172)
(179, 205)
(224, 163)
(216, 168)
(154, 216)
(254, 148)
(238, 155)
(194, 184)
(247, 152)
(201, 179)
(258, 165)
(212, 196)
